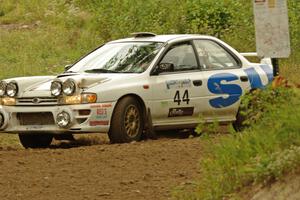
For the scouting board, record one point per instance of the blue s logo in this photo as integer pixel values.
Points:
(216, 87)
(234, 91)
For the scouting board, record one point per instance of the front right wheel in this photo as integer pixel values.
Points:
(127, 122)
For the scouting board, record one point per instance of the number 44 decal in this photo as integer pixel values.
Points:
(185, 97)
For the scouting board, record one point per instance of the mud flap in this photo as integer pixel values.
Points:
(149, 132)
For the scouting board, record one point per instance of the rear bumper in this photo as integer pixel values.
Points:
(85, 118)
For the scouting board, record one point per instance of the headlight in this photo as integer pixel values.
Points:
(2, 88)
(69, 87)
(56, 88)
(81, 98)
(12, 89)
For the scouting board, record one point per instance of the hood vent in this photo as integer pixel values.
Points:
(67, 74)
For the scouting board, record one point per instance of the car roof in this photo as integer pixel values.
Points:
(162, 38)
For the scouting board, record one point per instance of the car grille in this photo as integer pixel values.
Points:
(37, 101)
(42, 118)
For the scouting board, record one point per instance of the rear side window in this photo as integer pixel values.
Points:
(213, 56)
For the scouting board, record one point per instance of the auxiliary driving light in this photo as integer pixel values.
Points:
(63, 119)
(56, 88)
(69, 87)
(2, 88)
(12, 89)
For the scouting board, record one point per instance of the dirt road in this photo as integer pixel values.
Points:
(142, 170)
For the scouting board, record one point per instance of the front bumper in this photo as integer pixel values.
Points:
(85, 118)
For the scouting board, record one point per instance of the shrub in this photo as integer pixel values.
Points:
(261, 153)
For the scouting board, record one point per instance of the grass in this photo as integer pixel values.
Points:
(41, 51)
(9, 141)
(289, 68)
(41, 37)
(260, 154)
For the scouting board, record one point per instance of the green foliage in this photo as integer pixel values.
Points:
(262, 153)
(206, 129)
(253, 105)
(41, 51)
(42, 36)
(9, 141)
(213, 17)
(294, 18)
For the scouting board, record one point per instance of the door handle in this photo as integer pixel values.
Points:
(244, 78)
(197, 82)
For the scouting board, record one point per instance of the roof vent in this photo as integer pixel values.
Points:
(143, 34)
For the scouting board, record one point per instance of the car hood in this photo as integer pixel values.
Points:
(40, 86)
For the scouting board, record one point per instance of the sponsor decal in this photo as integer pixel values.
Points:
(99, 123)
(104, 105)
(255, 79)
(101, 113)
(177, 84)
(185, 97)
(271, 3)
(179, 112)
(220, 84)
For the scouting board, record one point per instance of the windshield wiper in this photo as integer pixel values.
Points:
(99, 70)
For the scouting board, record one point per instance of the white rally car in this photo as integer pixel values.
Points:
(130, 87)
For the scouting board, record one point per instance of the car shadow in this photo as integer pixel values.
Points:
(84, 140)
(81, 140)
(176, 134)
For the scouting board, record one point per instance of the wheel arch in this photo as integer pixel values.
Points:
(139, 100)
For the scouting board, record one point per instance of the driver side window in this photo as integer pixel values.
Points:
(182, 57)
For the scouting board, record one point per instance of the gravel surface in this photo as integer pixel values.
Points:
(143, 170)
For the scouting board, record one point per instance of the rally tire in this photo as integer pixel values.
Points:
(239, 123)
(127, 122)
(35, 140)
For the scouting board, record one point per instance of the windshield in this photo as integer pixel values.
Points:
(129, 57)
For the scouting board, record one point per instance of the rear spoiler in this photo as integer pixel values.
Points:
(267, 61)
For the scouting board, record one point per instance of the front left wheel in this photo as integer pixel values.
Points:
(127, 121)
(35, 140)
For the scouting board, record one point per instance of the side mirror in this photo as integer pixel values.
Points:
(67, 67)
(164, 67)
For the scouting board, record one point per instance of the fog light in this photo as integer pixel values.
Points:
(63, 119)
(1, 120)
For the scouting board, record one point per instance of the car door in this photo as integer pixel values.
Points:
(224, 80)
(175, 92)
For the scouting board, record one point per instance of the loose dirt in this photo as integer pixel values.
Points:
(141, 170)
